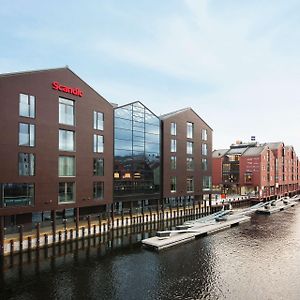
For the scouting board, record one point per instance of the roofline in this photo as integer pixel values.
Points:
(50, 70)
(183, 109)
(130, 103)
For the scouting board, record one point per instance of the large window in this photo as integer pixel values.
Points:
(98, 191)
(66, 140)
(189, 147)
(98, 143)
(66, 192)
(173, 146)
(206, 183)
(173, 128)
(98, 120)
(173, 184)
(189, 130)
(27, 106)
(204, 149)
(98, 167)
(26, 164)
(26, 134)
(16, 194)
(66, 111)
(190, 184)
(66, 166)
(204, 164)
(173, 162)
(190, 163)
(204, 134)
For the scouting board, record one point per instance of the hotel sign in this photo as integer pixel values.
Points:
(66, 89)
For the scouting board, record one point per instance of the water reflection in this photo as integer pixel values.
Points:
(260, 260)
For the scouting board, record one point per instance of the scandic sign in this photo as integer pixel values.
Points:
(66, 89)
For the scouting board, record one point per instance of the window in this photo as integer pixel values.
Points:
(66, 140)
(189, 130)
(66, 111)
(204, 164)
(204, 149)
(173, 128)
(98, 143)
(173, 162)
(204, 134)
(248, 177)
(98, 167)
(26, 135)
(206, 183)
(26, 164)
(189, 147)
(173, 145)
(17, 194)
(98, 190)
(190, 184)
(190, 164)
(66, 166)
(98, 120)
(66, 192)
(26, 106)
(173, 184)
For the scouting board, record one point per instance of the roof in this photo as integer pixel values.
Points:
(136, 102)
(51, 70)
(254, 151)
(219, 153)
(236, 151)
(274, 145)
(176, 112)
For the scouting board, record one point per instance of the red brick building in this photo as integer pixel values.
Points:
(264, 170)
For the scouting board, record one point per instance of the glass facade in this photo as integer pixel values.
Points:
(137, 151)
(66, 166)
(16, 194)
(26, 164)
(27, 106)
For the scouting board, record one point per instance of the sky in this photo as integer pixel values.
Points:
(236, 63)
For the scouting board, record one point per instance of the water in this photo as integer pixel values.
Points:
(257, 260)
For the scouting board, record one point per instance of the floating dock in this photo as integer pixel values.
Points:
(270, 209)
(167, 239)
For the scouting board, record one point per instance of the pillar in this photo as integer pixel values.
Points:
(209, 201)
(1, 235)
(53, 220)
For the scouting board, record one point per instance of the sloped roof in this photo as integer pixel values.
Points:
(254, 151)
(219, 153)
(176, 112)
(274, 145)
(136, 102)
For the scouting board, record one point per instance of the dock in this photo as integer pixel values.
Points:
(276, 207)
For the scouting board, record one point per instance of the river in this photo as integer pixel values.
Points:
(257, 260)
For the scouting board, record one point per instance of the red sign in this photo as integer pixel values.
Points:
(66, 89)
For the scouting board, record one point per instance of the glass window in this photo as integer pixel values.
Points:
(66, 111)
(152, 138)
(173, 145)
(98, 192)
(173, 128)
(149, 128)
(190, 184)
(189, 130)
(26, 134)
(125, 113)
(204, 164)
(204, 149)
(173, 184)
(66, 140)
(152, 147)
(98, 120)
(17, 194)
(190, 163)
(173, 162)
(98, 143)
(189, 147)
(122, 144)
(26, 164)
(26, 106)
(66, 192)
(66, 166)
(122, 123)
(123, 134)
(204, 134)
(206, 183)
(98, 166)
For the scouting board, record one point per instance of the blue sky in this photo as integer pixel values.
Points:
(237, 63)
